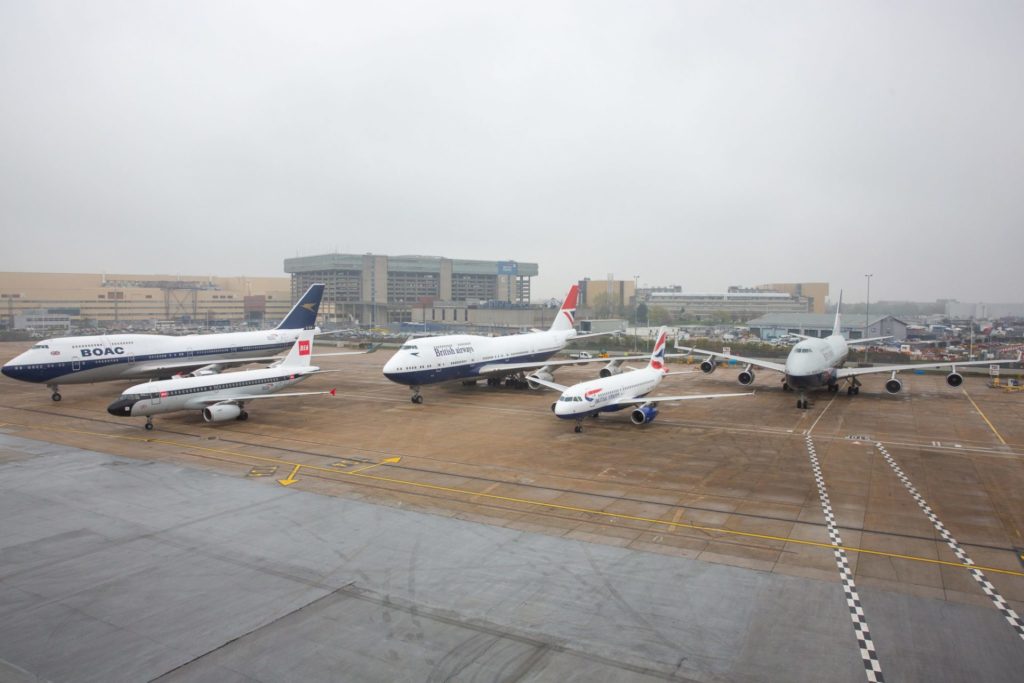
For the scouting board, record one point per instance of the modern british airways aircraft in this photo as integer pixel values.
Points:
(817, 363)
(431, 360)
(626, 390)
(103, 358)
(222, 397)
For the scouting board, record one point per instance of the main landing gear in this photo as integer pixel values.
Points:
(56, 393)
(416, 397)
(854, 387)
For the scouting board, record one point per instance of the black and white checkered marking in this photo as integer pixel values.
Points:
(872, 667)
(997, 599)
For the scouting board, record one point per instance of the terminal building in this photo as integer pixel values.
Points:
(377, 289)
(739, 303)
(58, 302)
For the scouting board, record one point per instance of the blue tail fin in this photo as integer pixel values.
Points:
(303, 313)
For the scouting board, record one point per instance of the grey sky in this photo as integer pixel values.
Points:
(694, 143)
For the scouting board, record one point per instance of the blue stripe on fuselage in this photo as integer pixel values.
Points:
(66, 370)
(467, 371)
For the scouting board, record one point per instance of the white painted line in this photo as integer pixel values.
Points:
(823, 413)
(997, 599)
(868, 655)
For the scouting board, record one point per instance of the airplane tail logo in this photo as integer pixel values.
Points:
(303, 313)
(301, 352)
(566, 318)
(837, 327)
(658, 355)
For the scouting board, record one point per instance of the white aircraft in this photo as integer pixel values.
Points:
(627, 390)
(223, 397)
(102, 358)
(817, 363)
(430, 360)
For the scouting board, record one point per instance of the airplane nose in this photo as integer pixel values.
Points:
(122, 407)
(8, 370)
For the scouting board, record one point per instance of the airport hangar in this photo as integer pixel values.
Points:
(366, 538)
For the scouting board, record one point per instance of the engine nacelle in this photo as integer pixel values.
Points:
(221, 412)
(540, 374)
(610, 369)
(643, 415)
(708, 366)
(894, 386)
(746, 377)
(954, 379)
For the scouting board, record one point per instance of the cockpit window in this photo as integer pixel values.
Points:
(803, 350)
(408, 347)
(40, 346)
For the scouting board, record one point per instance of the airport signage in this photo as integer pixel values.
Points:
(508, 268)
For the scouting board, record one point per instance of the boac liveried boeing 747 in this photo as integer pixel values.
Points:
(816, 363)
(430, 360)
(103, 358)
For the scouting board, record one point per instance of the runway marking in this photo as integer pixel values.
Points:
(290, 479)
(983, 417)
(872, 667)
(522, 501)
(994, 595)
(385, 461)
(825, 410)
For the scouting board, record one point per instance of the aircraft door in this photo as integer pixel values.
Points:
(76, 364)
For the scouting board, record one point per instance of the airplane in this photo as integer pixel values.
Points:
(817, 363)
(223, 396)
(103, 358)
(624, 391)
(430, 360)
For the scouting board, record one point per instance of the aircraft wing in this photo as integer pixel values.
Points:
(533, 365)
(253, 397)
(777, 367)
(177, 365)
(550, 385)
(851, 342)
(691, 397)
(906, 367)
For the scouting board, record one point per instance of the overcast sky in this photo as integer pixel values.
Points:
(704, 144)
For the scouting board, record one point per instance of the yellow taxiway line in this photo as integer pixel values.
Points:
(983, 417)
(525, 501)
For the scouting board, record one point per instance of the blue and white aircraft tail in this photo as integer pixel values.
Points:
(304, 312)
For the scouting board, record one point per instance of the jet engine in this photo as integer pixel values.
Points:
(644, 414)
(954, 379)
(540, 374)
(894, 386)
(708, 366)
(221, 412)
(610, 369)
(746, 377)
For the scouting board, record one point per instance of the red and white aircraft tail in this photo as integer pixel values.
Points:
(566, 318)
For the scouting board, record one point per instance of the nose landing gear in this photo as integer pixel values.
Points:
(149, 423)
(416, 397)
(56, 393)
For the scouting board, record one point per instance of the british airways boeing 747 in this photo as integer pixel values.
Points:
(466, 357)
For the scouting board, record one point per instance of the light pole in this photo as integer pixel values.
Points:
(636, 307)
(867, 314)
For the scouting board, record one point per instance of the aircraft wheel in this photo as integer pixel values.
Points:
(417, 399)
(243, 416)
(856, 390)
(149, 426)
(56, 396)
(578, 428)
(849, 391)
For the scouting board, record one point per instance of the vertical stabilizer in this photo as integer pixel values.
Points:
(837, 327)
(301, 351)
(658, 354)
(303, 313)
(566, 318)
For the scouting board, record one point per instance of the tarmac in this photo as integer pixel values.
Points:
(477, 538)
